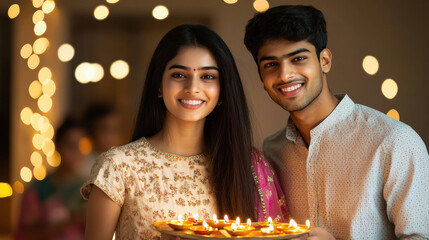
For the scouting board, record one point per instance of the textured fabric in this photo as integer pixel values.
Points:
(54, 205)
(151, 185)
(271, 202)
(363, 176)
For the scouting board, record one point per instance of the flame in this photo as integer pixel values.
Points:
(234, 227)
(249, 223)
(215, 218)
(205, 225)
(226, 218)
(292, 223)
(271, 228)
(270, 220)
(238, 221)
(307, 223)
(196, 216)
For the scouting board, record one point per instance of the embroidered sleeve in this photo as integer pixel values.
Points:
(106, 175)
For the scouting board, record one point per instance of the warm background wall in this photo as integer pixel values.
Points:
(394, 31)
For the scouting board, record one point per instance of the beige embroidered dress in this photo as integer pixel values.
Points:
(151, 185)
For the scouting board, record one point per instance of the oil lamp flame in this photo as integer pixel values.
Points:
(234, 227)
(271, 228)
(215, 218)
(249, 223)
(307, 223)
(270, 220)
(226, 218)
(205, 225)
(237, 221)
(180, 219)
(293, 224)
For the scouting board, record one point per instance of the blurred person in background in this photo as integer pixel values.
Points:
(103, 124)
(53, 208)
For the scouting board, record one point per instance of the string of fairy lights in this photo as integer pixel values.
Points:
(42, 89)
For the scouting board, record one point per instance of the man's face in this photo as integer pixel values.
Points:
(291, 73)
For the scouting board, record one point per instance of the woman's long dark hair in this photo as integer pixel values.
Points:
(227, 131)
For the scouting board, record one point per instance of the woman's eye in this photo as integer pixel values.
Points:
(178, 75)
(209, 76)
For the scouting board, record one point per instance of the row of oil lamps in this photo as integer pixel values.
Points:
(206, 227)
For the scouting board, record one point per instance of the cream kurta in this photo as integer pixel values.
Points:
(151, 185)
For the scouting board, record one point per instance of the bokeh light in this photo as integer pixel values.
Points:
(26, 114)
(37, 3)
(85, 146)
(49, 134)
(101, 12)
(5, 190)
(89, 72)
(119, 69)
(26, 51)
(38, 141)
(230, 1)
(54, 160)
(44, 75)
(49, 88)
(35, 89)
(44, 103)
(393, 114)
(389, 88)
(65, 52)
(26, 174)
(48, 147)
(112, 1)
(33, 61)
(18, 187)
(35, 121)
(40, 45)
(261, 5)
(36, 159)
(40, 28)
(160, 12)
(370, 65)
(44, 124)
(38, 16)
(39, 172)
(13, 11)
(48, 6)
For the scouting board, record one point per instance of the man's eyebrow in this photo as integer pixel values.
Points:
(188, 68)
(286, 55)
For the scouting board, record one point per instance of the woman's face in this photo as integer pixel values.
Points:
(190, 84)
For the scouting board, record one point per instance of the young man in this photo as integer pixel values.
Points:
(353, 171)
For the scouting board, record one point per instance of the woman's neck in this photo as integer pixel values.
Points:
(179, 137)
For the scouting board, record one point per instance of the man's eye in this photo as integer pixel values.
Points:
(178, 75)
(270, 64)
(297, 59)
(209, 76)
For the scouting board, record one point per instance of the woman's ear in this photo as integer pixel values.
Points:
(159, 92)
(325, 60)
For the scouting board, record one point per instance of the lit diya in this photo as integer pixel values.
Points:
(204, 229)
(219, 223)
(270, 230)
(180, 224)
(268, 223)
(236, 229)
(293, 227)
(196, 220)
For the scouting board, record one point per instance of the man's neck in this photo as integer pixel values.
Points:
(308, 118)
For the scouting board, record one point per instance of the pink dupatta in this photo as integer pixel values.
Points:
(270, 200)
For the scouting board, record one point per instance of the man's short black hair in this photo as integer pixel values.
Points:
(290, 22)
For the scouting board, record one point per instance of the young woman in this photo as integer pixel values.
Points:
(192, 148)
